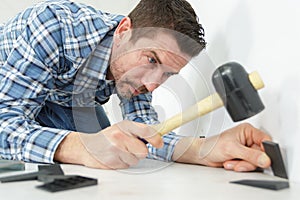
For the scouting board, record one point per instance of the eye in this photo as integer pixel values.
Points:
(152, 60)
(168, 74)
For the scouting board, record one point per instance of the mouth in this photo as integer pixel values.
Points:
(128, 89)
(136, 92)
(139, 90)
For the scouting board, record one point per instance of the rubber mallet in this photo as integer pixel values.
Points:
(235, 88)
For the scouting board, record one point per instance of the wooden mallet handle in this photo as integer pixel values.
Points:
(201, 108)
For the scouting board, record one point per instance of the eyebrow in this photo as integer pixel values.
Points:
(159, 61)
(156, 57)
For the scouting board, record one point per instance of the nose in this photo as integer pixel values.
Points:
(151, 86)
(152, 80)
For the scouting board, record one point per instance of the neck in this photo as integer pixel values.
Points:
(109, 75)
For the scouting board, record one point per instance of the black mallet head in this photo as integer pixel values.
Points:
(237, 92)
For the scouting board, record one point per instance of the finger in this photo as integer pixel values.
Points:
(92, 162)
(239, 165)
(115, 163)
(128, 158)
(127, 151)
(131, 144)
(143, 131)
(119, 158)
(256, 136)
(257, 147)
(105, 149)
(256, 157)
(136, 147)
(133, 151)
(230, 164)
(244, 166)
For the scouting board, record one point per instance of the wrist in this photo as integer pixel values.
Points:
(70, 150)
(187, 150)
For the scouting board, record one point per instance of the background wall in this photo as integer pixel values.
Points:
(9, 8)
(261, 35)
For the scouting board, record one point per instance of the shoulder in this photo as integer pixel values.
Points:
(69, 11)
(81, 26)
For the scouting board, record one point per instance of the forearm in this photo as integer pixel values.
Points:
(194, 151)
(25, 140)
(70, 150)
(185, 150)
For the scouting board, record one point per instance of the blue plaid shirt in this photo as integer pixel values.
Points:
(58, 51)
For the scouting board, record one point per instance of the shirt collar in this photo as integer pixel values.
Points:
(97, 64)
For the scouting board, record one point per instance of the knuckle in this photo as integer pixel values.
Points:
(245, 126)
(144, 151)
(142, 154)
(118, 136)
(145, 130)
(109, 162)
(113, 163)
(134, 162)
(156, 142)
(122, 126)
(112, 149)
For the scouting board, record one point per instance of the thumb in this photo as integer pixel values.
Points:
(254, 156)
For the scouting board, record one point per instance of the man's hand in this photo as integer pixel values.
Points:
(115, 147)
(239, 149)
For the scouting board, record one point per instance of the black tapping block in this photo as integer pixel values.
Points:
(11, 165)
(67, 182)
(266, 184)
(43, 170)
(272, 149)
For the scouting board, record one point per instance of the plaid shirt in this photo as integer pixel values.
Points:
(58, 51)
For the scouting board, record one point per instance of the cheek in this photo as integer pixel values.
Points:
(130, 62)
(133, 65)
(133, 75)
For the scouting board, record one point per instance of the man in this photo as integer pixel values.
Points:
(61, 60)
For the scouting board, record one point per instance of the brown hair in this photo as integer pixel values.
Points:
(177, 15)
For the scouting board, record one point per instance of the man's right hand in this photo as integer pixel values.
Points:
(115, 147)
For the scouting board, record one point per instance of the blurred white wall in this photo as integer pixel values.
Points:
(9, 8)
(261, 35)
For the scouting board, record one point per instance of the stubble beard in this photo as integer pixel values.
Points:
(123, 89)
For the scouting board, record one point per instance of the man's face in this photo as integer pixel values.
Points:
(142, 66)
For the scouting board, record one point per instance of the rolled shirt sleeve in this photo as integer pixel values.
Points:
(26, 81)
(41, 50)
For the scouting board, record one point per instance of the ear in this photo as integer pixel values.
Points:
(123, 28)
